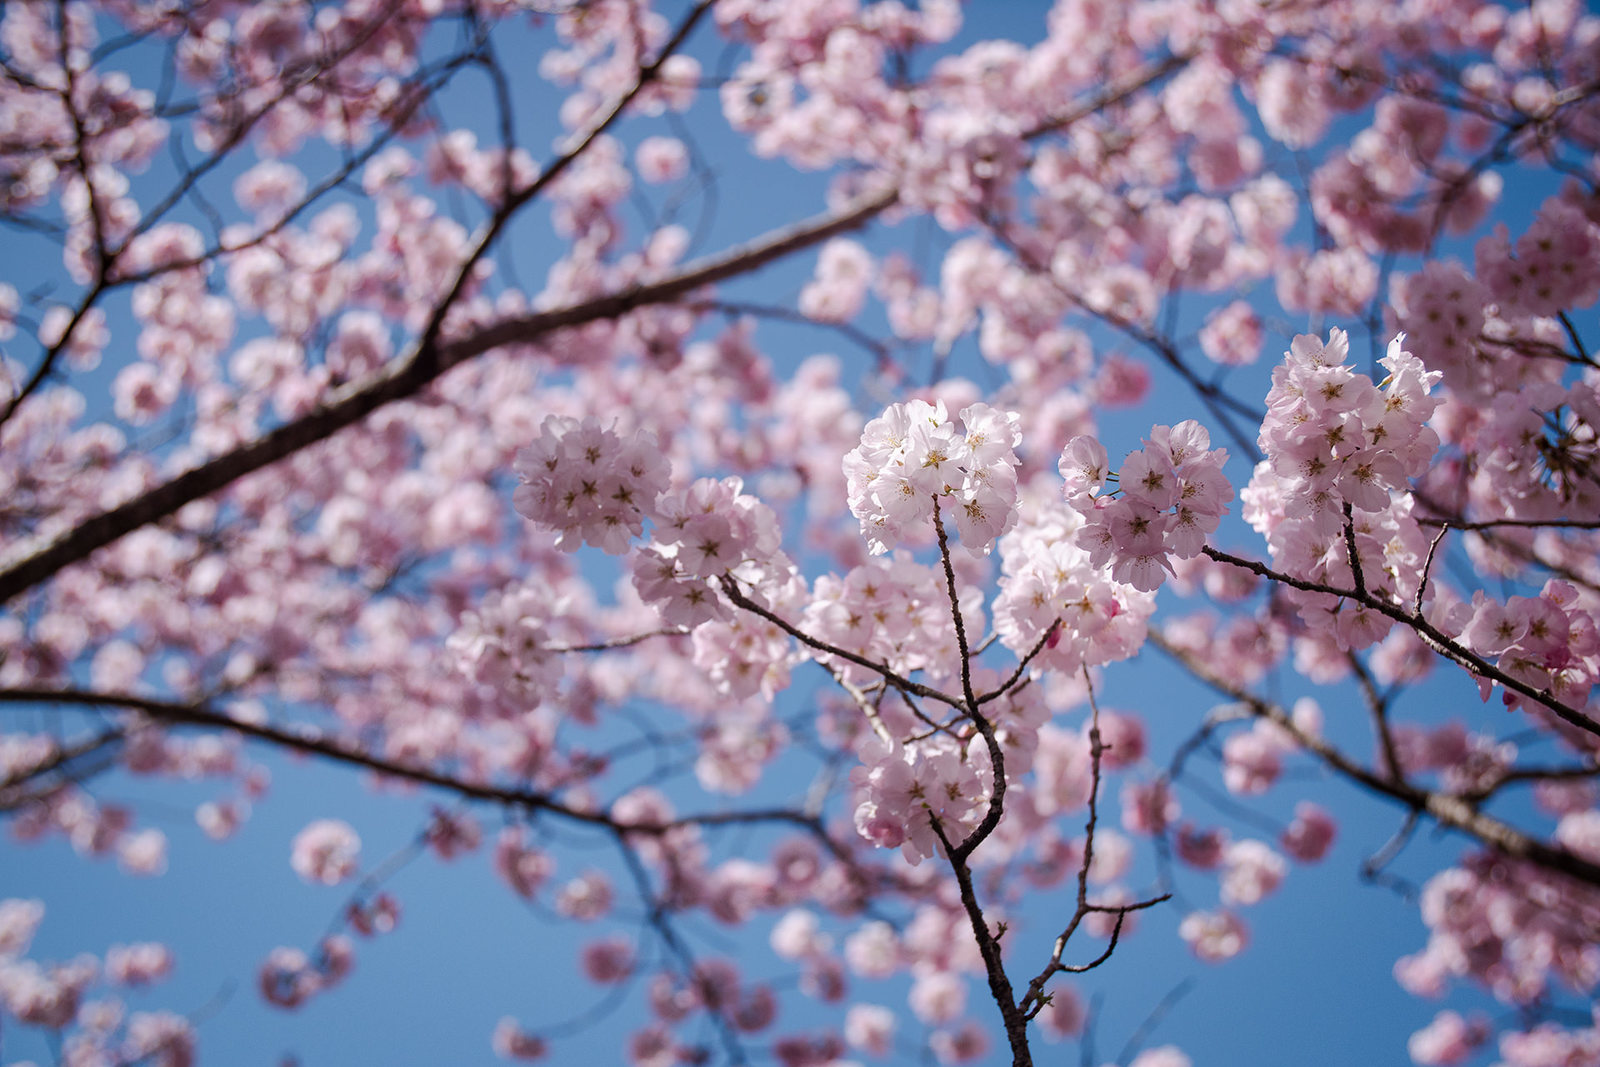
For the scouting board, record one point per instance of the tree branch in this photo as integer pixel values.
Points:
(404, 378)
(1455, 812)
(312, 743)
(1431, 635)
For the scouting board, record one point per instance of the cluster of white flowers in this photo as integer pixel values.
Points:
(913, 455)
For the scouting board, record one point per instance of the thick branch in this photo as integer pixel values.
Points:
(1455, 812)
(1016, 1023)
(312, 743)
(405, 378)
(1431, 635)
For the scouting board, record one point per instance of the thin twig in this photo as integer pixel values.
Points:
(731, 590)
(1427, 568)
(618, 642)
(1022, 665)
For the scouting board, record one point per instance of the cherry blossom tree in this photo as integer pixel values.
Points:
(799, 570)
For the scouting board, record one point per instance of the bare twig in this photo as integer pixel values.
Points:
(1022, 665)
(1034, 1000)
(618, 642)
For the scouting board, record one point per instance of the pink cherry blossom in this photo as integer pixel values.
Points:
(326, 851)
(565, 417)
(1214, 936)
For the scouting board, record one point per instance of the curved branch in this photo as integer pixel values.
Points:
(405, 378)
(311, 742)
(731, 590)
(1456, 812)
(1431, 635)
(1016, 1023)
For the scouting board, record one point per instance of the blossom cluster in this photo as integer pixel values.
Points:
(326, 852)
(1549, 641)
(588, 484)
(913, 456)
(906, 787)
(1553, 266)
(1334, 438)
(1049, 578)
(707, 531)
(97, 830)
(288, 977)
(1170, 496)
(891, 610)
(54, 997)
(1340, 454)
(505, 642)
(1515, 930)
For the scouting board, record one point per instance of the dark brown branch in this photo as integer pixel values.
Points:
(1378, 708)
(1515, 775)
(1431, 635)
(1527, 524)
(1455, 812)
(1490, 535)
(312, 743)
(1427, 569)
(618, 642)
(997, 761)
(405, 378)
(1016, 1023)
(1355, 557)
(1022, 665)
(1033, 1001)
(730, 589)
(955, 608)
(740, 260)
